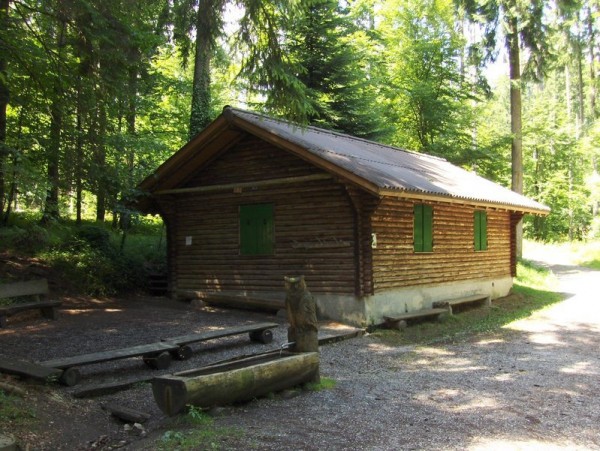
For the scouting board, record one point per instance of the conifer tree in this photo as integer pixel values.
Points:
(332, 70)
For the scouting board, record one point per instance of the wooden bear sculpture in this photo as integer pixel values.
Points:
(302, 315)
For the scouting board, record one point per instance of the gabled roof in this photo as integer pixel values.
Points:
(377, 168)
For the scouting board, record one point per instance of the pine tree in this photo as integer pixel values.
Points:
(332, 70)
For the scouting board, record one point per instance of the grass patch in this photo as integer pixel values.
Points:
(197, 431)
(588, 255)
(326, 383)
(533, 290)
(14, 411)
(582, 253)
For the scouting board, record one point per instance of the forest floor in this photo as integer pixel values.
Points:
(530, 385)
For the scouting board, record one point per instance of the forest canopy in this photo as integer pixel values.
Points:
(94, 95)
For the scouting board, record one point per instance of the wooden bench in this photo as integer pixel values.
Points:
(483, 299)
(260, 332)
(29, 370)
(38, 289)
(400, 321)
(155, 355)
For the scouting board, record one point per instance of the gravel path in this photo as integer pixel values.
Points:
(533, 385)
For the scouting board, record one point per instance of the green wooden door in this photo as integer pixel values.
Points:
(256, 229)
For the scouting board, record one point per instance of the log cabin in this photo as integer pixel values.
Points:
(377, 231)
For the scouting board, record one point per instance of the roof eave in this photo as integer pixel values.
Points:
(406, 194)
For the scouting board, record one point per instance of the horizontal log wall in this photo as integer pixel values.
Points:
(453, 258)
(251, 160)
(314, 231)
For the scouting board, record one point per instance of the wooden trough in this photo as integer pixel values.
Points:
(236, 381)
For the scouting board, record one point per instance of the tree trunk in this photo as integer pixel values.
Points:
(79, 155)
(101, 166)
(54, 146)
(512, 38)
(205, 27)
(12, 193)
(592, 43)
(580, 95)
(4, 99)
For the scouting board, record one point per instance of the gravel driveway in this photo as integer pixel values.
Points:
(533, 385)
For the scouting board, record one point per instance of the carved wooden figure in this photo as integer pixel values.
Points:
(302, 315)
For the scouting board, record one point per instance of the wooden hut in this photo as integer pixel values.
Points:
(376, 230)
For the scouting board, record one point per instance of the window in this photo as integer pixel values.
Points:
(256, 229)
(480, 229)
(423, 228)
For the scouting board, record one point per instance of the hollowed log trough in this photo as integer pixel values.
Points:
(237, 381)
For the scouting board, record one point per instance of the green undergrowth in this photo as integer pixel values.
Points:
(89, 258)
(325, 383)
(14, 411)
(533, 290)
(197, 430)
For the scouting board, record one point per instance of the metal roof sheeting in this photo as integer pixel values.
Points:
(389, 168)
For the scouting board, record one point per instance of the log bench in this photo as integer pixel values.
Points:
(29, 370)
(37, 289)
(156, 355)
(482, 299)
(260, 332)
(401, 321)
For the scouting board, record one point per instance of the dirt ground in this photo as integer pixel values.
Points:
(533, 385)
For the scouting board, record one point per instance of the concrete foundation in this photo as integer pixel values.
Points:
(370, 310)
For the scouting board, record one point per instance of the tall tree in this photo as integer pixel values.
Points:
(332, 70)
(265, 65)
(4, 98)
(53, 148)
(521, 24)
(426, 92)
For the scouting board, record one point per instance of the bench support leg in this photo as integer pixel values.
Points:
(2, 321)
(49, 312)
(398, 325)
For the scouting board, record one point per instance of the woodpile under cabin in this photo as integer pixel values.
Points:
(377, 231)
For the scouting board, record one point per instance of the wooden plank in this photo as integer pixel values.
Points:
(105, 356)
(126, 413)
(28, 369)
(237, 301)
(458, 301)
(23, 306)
(341, 336)
(416, 314)
(31, 287)
(92, 391)
(213, 334)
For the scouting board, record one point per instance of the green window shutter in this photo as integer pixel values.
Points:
(427, 228)
(256, 229)
(418, 228)
(483, 230)
(477, 230)
(423, 228)
(480, 230)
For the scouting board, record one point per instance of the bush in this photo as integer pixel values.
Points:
(94, 259)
